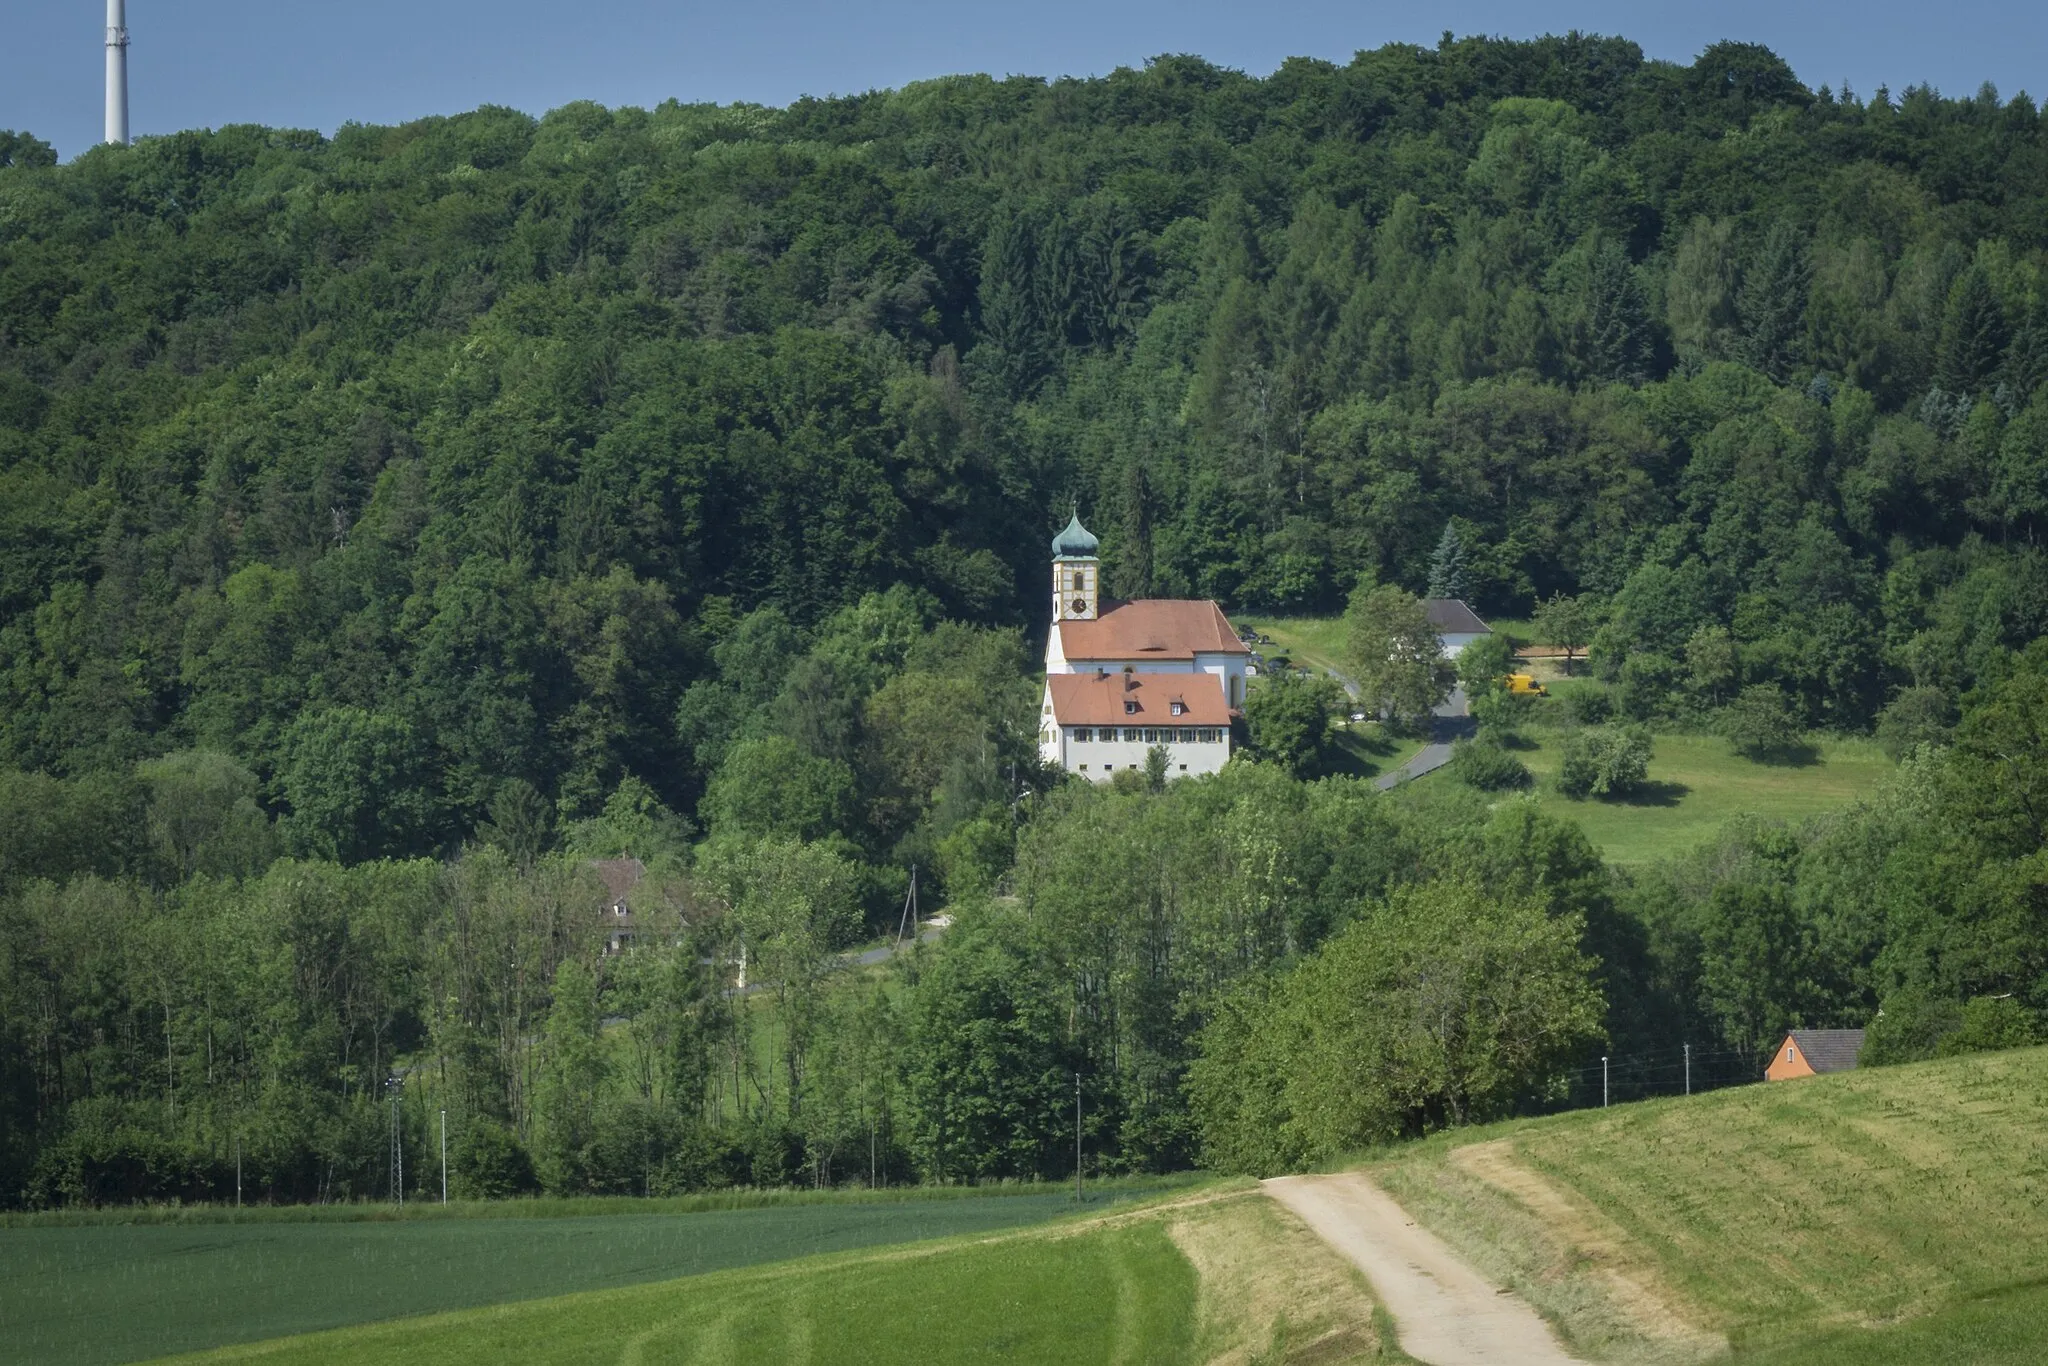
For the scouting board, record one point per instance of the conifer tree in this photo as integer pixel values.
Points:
(2026, 357)
(1772, 301)
(1618, 341)
(1973, 335)
(1447, 577)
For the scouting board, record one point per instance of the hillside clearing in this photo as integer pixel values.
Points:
(1697, 785)
(1220, 1277)
(1834, 1218)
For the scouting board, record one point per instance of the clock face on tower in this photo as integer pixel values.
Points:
(1079, 606)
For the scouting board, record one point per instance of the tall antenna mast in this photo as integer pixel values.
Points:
(117, 71)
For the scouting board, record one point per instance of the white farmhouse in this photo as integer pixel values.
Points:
(1456, 625)
(1121, 677)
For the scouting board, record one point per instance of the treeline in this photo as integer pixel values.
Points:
(467, 444)
(1250, 971)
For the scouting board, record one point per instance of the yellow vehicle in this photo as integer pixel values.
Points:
(1525, 685)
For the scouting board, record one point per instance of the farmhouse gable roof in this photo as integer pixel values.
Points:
(1451, 617)
(1828, 1050)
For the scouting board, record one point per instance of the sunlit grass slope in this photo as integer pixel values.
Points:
(103, 1293)
(1222, 1274)
(1697, 785)
(1883, 1215)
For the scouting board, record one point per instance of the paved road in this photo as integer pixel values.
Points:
(1445, 1313)
(1453, 722)
(925, 935)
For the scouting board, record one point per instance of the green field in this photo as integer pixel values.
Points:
(102, 1292)
(1697, 785)
(1221, 1274)
(1882, 1215)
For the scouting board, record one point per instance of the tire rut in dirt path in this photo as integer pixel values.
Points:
(1445, 1313)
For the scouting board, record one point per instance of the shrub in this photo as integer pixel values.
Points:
(1647, 684)
(1759, 723)
(1498, 709)
(1916, 1024)
(1487, 765)
(1605, 762)
(490, 1163)
(1589, 706)
(1916, 717)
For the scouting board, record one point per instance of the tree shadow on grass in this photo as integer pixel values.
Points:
(1805, 754)
(1653, 793)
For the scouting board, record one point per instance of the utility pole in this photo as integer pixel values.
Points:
(394, 1084)
(1077, 1138)
(444, 1157)
(1603, 1081)
(238, 1171)
(907, 922)
(1688, 1069)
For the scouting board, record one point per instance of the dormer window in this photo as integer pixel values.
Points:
(1180, 708)
(1130, 708)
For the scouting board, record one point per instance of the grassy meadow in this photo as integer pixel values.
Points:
(1697, 785)
(1220, 1273)
(88, 1290)
(1882, 1215)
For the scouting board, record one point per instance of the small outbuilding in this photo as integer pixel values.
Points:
(1807, 1052)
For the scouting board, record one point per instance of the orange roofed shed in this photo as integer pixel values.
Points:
(1810, 1052)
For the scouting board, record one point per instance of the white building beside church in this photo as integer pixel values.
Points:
(1121, 677)
(1456, 625)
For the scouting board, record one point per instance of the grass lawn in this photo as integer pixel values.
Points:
(1697, 786)
(1314, 641)
(1220, 1275)
(98, 1292)
(1883, 1215)
(1365, 750)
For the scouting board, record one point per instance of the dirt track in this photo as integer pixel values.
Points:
(1445, 1313)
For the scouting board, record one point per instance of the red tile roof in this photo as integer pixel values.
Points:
(1094, 699)
(1152, 628)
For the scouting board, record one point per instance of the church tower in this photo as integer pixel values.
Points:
(1076, 574)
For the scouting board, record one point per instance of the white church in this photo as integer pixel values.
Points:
(1121, 677)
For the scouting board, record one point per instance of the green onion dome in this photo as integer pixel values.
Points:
(1076, 542)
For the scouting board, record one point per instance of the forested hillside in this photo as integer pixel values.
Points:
(491, 493)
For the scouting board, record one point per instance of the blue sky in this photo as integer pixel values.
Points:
(202, 63)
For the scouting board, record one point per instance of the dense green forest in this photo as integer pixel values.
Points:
(392, 523)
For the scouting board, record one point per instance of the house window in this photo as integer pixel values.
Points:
(1131, 734)
(1183, 768)
(1179, 709)
(1084, 768)
(1187, 737)
(1083, 733)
